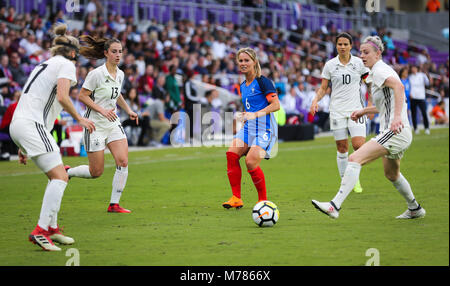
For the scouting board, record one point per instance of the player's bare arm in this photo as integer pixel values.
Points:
(320, 93)
(124, 105)
(399, 97)
(62, 92)
(274, 105)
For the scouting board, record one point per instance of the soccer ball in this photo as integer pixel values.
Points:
(265, 213)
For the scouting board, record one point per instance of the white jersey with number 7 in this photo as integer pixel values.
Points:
(38, 101)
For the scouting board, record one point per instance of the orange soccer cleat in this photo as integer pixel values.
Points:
(233, 202)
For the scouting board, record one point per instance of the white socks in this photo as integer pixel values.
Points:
(81, 171)
(404, 189)
(51, 203)
(351, 176)
(348, 182)
(342, 160)
(118, 184)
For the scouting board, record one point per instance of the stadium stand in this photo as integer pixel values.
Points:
(293, 41)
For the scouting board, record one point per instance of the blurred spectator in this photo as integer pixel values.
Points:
(136, 134)
(212, 110)
(418, 81)
(403, 73)
(159, 124)
(32, 49)
(172, 88)
(146, 81)
(292, 106)
(191, 97)
(438, 113)
(433, 6)
(6, 76)
(7, 145)
(388, 40)
(423, 57)
(18, 72)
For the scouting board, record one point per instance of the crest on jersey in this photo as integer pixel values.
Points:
(253, 89)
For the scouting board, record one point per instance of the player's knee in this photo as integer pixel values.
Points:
(63, 177)
(342, 147)
(357, 145)
(356, 159)
(122, 162)
(352, 158)
(96, 172)
(391, 175)
(251, 162)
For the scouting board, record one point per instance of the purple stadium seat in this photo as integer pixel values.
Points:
(4, 137)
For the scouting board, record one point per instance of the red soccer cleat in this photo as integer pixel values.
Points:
(56, 235)
(42, 238)
(67, 167)
(115, 208)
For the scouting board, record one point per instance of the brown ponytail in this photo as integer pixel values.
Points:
(94, 48)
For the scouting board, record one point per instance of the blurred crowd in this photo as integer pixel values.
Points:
(160, 59)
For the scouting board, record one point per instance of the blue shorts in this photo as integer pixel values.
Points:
(262, 135)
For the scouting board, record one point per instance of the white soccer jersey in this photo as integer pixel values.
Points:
(345, 85)
(38, 100)
(383, 97)
(105, 91)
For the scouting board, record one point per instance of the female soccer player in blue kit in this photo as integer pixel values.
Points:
(259, 134)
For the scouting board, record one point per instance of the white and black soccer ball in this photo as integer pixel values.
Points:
(265, 213)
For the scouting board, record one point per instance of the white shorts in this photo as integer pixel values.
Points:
(35, 141)
(97, 140)
(47, 161)
(342, 126)
(32, 138)
(395, 144)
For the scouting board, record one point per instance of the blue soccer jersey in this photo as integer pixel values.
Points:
(252, 95)
(261, 131)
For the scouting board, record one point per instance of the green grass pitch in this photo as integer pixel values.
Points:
(176, 194)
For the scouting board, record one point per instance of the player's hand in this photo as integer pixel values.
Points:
(248, 116)
(88, 124)
(133, 116)
(239, 116)
(22, 158)
(314, 107)
(110, 114)
(397, 125)
(356, 114)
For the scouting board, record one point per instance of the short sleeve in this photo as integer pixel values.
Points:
(380, 76)
(159, 107)
(268, 86)
(90, 83)
(364, 71)
(68, 71)
(326, 72)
